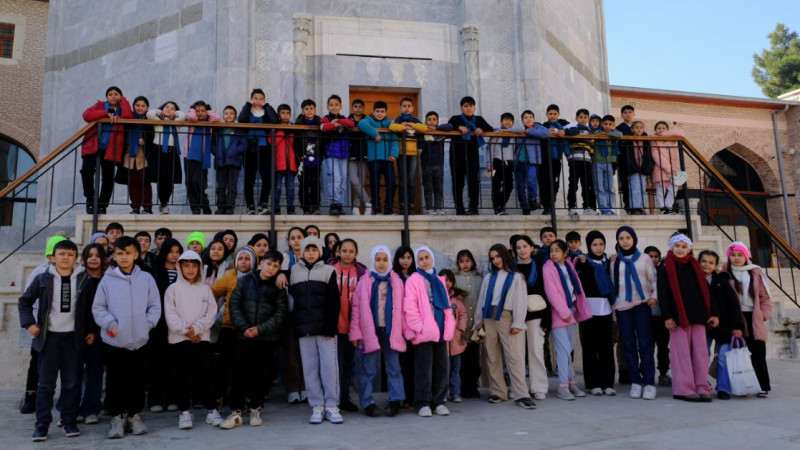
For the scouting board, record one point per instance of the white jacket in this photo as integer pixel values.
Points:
(189, 304)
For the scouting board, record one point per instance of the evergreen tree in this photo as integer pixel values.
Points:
(777, 69)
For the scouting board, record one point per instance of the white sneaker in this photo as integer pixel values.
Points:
(440, 212)
(156, 409)
(303, 396)
(136, 425)
(213, 418)
(186, 421)
(610, 392)
(636, 391)
(367, 209)
(255, 417)
(333, 415)
(539, 396)
(576, 391)
(164, 209)
(172, 407)
(589, 212)
(573, 212)
(441, 410)
(425, 411)
(316, 415)
(596, 391)
(232, 421)
(564, 392)
(649, 392)
(116, 428)
(294, 397)
(91, 419)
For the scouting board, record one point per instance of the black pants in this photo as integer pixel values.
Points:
(227, 184)
(32, 378)
(225, 350)
(126, 378)
(598, 352)
(661, 340)
(465, 164)
(345, 353)
(407, 368)
(59, 357)
(309, 189)
(581, 172)
(470, 368)
(250, 364)
(381, 168)
(431, 374)
(758, 354)
(106, 178)
(257, 159)
(191, 366)
(502, 183)
(549, 181)
(167, 176)
(159, 383)
(196, 185)
(622, 175)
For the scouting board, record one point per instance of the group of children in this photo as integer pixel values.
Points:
(139, 155)
(212, 323)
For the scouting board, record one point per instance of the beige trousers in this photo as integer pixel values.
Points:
(499, 344)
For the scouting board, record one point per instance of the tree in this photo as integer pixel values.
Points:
(777, 70)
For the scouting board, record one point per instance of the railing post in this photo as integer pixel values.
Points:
(687, 214)
(97, 172)
(273, 233)
(406, 232)
(551, 189)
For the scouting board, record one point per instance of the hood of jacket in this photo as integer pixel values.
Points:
(191, 255)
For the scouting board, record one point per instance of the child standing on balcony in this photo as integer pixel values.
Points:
(306, 146)
(580, 167)
(357, 163)
(165, 138)
(528, 160)
(502, 166)
(665, 159)
(257, 157)
(139, 151)
(464, 156)
(604, 165)
(382, 151)
(550, 174)
(334, 126)
(640, 166)
(407, 123)
(229, 146)
(750, 283)
(431, 156)
(109, 144)
(286, 161)
(198, 156)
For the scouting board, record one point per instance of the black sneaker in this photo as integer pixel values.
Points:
(392, 409)
(89, 210)
(71, 430)
(526, 212)
(134, 210)
(147, 210)
(526, 403)
(372, 410)
(348, 405)
(28, 403)
(495, 399)
(103, 210)
(40, 434)
(722, 395)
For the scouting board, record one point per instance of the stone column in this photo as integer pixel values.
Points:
(302, 32)
(469, 42)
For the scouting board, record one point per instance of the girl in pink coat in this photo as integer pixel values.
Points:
(428, 323)
(376, 325)
(569, 306)
(458, 344)
(665, 156)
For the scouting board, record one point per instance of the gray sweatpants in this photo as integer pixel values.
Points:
(320, 370)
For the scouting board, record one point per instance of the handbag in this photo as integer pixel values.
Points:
(740, 369)
(477, 336)
(714, 367)
(679, 178)
(536, 303)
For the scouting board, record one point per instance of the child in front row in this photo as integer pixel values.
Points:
(431, 156)
(458, 344)
(376, 326)
(569, 306)
(382, 151)
(190, 310)
(502, 168)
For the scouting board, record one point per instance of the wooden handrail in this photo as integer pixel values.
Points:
(44, 161)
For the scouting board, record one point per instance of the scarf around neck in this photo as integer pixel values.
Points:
(106, 128)
(532, 277)
(441, 301)
(375, 295)
(134, 134)
(601, 276)
(166, 132)
(631, 275)
(670, 264)
(573, 279)
(471, 125)
(487, 304)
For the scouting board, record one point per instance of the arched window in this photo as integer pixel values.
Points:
(20, 206)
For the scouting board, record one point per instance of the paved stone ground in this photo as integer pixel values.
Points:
(588, 423)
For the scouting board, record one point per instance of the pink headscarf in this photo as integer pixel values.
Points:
(738, 245)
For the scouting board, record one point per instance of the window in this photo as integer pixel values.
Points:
(19, 206)
(7, 40)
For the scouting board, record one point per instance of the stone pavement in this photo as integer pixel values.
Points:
(587, 423)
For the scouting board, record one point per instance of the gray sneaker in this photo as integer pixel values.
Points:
(136, 425)
(117, 428)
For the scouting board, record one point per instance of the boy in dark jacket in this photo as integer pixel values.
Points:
(228, 149)
(464, 157)
(306, 146)
(432, 160)
(59, 331)
(315, 315)
(257, 309)
(258, 155)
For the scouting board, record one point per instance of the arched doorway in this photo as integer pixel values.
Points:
(19, 207)
(722, 211)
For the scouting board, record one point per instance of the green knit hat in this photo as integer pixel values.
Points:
(196, 236)
(51, 243)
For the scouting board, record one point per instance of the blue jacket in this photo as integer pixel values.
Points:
(529, 150)
(199, 145)
(246, 116)
(232, 154)
(557, 146)
(131, 302)
(386, 147)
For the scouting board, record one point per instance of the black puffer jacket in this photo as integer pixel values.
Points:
(725, 302)
(316, 299)
(259, 303)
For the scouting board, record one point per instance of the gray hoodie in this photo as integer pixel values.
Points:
(130, 301)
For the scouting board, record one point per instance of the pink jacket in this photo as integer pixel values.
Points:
(762, 309)
(458, 344)
(362, 324)
(665, 155)
(419, 325)
(558, 299)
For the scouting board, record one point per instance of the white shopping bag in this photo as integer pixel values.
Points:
(740, 369)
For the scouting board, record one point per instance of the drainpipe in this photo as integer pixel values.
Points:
(780, 172)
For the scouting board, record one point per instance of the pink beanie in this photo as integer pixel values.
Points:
(738, 245)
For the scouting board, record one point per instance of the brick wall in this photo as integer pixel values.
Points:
(23, 78)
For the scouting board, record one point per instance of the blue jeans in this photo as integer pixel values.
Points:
(93, 360)
(638, 190)
(723, 380)
(369, 368)
(527, 184)
(336, 171)
(603, 178)
(634, 329)
(287, 178)
(58, 356)
(455, 375)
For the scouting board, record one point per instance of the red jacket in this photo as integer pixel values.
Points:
(117, 141)
(284, 151)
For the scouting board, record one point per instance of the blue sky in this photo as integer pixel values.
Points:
(698, 46)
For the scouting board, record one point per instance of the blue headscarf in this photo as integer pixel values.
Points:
(378, 278)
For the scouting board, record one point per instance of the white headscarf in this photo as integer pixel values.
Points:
(380, 249)
(427, 249)
(680, 238)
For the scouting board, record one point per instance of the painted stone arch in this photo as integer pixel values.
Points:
(750, 150)
(20, 137)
